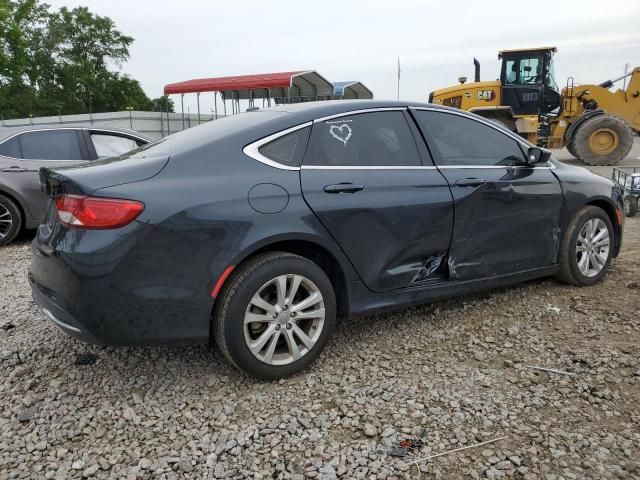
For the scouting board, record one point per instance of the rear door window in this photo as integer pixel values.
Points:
(51, 145)
(372, 139)
(108, 145)
(11, 148)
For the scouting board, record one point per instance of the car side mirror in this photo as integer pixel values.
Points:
(537, 155)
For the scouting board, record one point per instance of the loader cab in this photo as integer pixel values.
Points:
(528, 83)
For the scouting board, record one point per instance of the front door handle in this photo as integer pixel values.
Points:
(343, 188)
(470, 182)
(14, 168)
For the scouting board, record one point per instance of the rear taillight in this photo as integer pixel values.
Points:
(96, 212)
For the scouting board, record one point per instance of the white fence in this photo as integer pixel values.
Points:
(154, 125)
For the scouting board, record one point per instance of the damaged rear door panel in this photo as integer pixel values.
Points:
(380, 197)
(507, 214)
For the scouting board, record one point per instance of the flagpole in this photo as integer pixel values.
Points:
(398, 79)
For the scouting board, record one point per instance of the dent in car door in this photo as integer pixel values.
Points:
(363, 177)
(506, 213)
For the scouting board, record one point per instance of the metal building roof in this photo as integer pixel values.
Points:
(301, 84)
(351, 89)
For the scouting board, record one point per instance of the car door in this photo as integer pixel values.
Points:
(384, 203)
(28, 151)
(506, 212)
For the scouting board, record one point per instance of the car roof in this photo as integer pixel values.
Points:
(6, 132)
(330, 107)
(247, 127)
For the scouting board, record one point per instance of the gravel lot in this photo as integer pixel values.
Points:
(456, 372)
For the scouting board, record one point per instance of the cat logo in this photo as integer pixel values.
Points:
(487, 95)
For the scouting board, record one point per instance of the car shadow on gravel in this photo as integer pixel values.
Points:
(193, 365)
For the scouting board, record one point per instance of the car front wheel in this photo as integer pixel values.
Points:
(275, 315)
(587, 247)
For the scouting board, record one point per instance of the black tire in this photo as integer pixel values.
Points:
(615, 127)
(569, 271)
(630, 205)
(9, 211)
(236, 295)
(571, 149)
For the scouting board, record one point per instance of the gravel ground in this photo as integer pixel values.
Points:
(455, 372)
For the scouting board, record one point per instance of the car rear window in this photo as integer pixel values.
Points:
(202, 135)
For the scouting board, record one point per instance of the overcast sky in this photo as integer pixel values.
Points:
(361, 40)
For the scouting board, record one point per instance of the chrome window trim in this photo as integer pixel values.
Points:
(357, 112)
(368, 167)
(54, 129)
(104, 130)
(550, 166)
(418, 167)
(253, 149)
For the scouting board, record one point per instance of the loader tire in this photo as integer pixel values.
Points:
(602, 140)
(571, 149)
(630, 206)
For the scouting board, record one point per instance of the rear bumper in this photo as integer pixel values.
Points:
(46, 303)
(135, 285)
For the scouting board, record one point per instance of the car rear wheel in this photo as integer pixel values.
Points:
(10, 220)
(275, 315)
(587, 247)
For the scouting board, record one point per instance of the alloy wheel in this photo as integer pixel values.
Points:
(284, 319)
(6, 221)
(592, 248)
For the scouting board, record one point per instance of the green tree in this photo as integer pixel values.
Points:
(59, 62)
(21, 24)
(163, 104)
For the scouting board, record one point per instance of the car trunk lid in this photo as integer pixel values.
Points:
(87, 178)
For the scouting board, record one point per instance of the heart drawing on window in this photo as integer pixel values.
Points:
(341, 133)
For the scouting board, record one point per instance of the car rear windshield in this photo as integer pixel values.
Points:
(198, 136)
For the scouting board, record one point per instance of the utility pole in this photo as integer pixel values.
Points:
(626, 69)
(398, 79)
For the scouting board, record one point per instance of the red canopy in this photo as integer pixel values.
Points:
(303, 83)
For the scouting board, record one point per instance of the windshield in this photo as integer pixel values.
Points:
(525, 70)
(550, 79)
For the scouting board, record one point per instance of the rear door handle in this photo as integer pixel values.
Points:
(470, 182)
(343, 188)
(14, 168)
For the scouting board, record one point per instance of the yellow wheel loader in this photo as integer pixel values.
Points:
(593, 122)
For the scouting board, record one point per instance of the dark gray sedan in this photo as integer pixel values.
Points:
(23, 150)
(259, 230)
